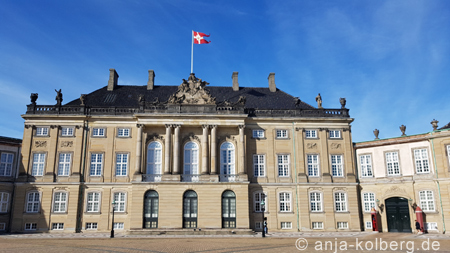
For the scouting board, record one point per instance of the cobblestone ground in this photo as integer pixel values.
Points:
(279, 242)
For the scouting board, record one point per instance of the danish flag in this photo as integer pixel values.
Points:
(198, 38)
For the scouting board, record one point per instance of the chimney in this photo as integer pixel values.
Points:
(113, 79)
(272, 86)
(151, 79)
(235, 81)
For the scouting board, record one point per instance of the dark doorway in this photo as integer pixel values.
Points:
(228, 209)
(151, 201)
(190, 209)
(397, 213)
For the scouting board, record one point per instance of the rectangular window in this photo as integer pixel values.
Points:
(96, 164)
(448, 154)
(286, 225)
(431, 226)
(340, 201)
(337, 166)
(335, 134)
(2, 226)
(33, 202)
(282, 134)
(313, 165)
(258, 133)
(366, 165)
(6, 164)
(98, 132)
(369, 224)
(121, 164)
(421, 159)
(259, 165)
(369, 201)
(41, 131)
(342, 225)
(57, 226)
(4, 202)
(93, 202)
(258, 225)
(38, 164)
(119, 200)
(285, 202)
(311, 133)
(30, 226)
(283, 165)
(118, 225)
(392, 163)
(123, 132)
(257, 201)
(64, 164)
(317, 225)
(315, 199)
(91, 226)
(60, 202)
(426, 201)
(67, 131)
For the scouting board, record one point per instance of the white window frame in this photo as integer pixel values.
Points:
(283, 161)
(316, 201)
(366, 165)
(30, 226)
(369, 201)
(342, 225)
(93, 204)
(67, 131)
(58, 226)
(120, 198)
(392, 163)
(281, 134)
(118, 225)
(38, 166)
(227, 159)
(91, 225)
(421, 161)
(4, 202)
(337, 165)
(317, 225)
(285, 202)
(60, 202)
(2, 226)
(123, 132)
(286, 225)
(258, 133)
(448, 154)
(427, 201)
(96, 167)
(33, 202)
(64, 164)
(257, 201)
(6, 164)
(122, 164)
(98, 132)
(335, 134)
(259, 165)
(311, 134)
(431, 226)
(154, 158)
(369, 225)
(313, 161)
(191, 162)
(340, 201)
(42, 131)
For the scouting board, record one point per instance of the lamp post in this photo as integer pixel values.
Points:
(263, 208)
(112, 225)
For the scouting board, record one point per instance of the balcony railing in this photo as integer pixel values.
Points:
(190, 177)
(228, 177)
(151, 177)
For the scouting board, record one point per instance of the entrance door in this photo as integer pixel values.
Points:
(397, 212)
(151, 209)
(228, 209)
(190, 209)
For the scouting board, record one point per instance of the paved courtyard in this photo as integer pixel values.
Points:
(276, 242)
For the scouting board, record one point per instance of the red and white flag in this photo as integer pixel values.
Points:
(199, 38)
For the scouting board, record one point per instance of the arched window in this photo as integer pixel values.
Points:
(151, 206)
(190, 162)
(190, 209)
(227, 168)
(154, 158)
(228, 209)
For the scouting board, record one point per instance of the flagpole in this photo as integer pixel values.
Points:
(192, 52)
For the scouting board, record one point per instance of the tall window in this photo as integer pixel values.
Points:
(335, 134)
(448, 153)
(6, 164)
(33, 202)
(38, 164)
(191, 158)
(151, 206)
(282, 134)
(421, 159)
(366, 165)
(121, 164)
(285, 201)
(41, 131)
(98, 132)
(123, 132)
(228, 209)
(67, 131)
(64, 164)
(93, 202)
(337, 166)
(257, 198)
(227, 158)
(283, 165)
(96, 164)
(392, 163)
(315, 199)
(340, 202)
(4, 202)
(154, 158)
(119, 199)
(59, 202)
(259, 165)
(311, 133)
(427, 201)
(369, 201)
(313, 165)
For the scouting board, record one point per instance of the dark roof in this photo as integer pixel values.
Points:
(127, 96)
(445, 127)
(9, 140)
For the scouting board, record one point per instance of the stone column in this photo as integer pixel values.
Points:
(167, 149)
(205, 149)
(176, 150)
(241, 150)
(213, 149)
(137, 169)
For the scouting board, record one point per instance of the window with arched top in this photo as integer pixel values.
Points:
(154, 161)
(190, 203)
(227, 159)
(228, 209)
(151, 207)
(190, 164)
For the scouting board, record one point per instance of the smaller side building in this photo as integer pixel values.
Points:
(10, 149)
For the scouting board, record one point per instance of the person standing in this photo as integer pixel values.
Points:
(418, 227)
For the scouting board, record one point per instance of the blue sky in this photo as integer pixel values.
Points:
(389, 59)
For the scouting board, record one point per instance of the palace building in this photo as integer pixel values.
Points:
(184, 158)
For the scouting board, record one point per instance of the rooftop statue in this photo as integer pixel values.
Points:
(192, 91)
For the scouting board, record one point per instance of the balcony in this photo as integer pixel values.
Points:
(228, 177)
(151, 177)
(190, 177)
